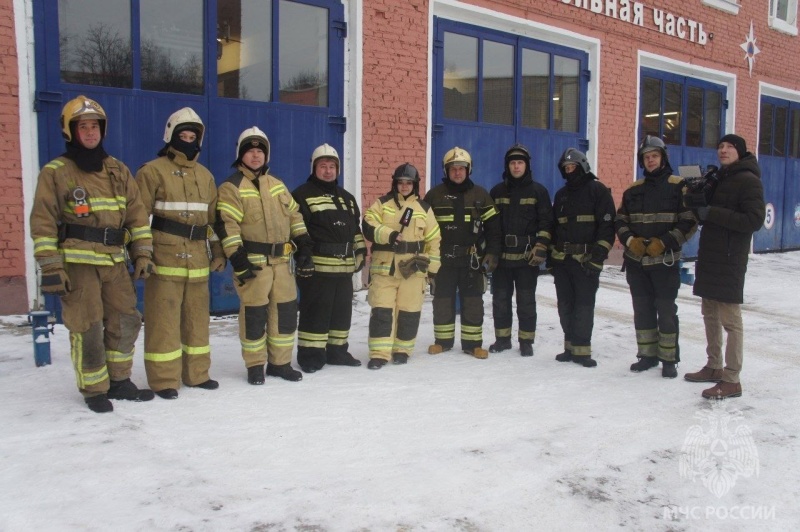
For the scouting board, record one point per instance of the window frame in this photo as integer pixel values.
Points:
(785, 26)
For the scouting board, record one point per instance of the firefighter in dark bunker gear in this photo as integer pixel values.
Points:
(469, 249)
(259, 225)
(526, 220)
(86, 210)
(652, 223)
(181, 196)
(326, 297)
(583, 232)
(405, 250)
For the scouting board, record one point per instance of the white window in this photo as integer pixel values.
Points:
(728, 6)
(783, 15)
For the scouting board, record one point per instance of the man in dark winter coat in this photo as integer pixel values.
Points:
(526, 218)
(653, 223)
(583, 233)
(734, 211)
(469, 250)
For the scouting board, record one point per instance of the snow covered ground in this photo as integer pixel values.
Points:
(446, 442)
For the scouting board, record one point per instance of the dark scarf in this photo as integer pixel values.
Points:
(463, 187)
(662, 172)
(85, 159)
(329, 187)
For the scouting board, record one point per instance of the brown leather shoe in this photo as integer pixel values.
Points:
(704, 375)
(477, 352)
(723, 390)
(436, 349)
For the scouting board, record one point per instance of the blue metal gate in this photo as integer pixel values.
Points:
(779, 159)
(301, 110)
(499, 89)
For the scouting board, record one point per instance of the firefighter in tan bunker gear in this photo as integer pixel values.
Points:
(86, 210)
(259, 224)
(181, 196)
(405, 251)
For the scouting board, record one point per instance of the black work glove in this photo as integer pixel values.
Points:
(303, 265)
(702, 213)
(242, 267)
(432, 282)
(592, 269)
(56, 282)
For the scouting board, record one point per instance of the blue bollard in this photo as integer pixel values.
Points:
(41, 336)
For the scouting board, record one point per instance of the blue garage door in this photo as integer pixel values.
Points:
(779, 159)
(493, 89)
(689, 115)
(277, 64)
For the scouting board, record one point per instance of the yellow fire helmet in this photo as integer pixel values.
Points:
(81, 108)
(325, 151)
(459, 157)
(252, 138)
(184, 117)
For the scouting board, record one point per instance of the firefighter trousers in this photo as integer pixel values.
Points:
(504, 283)
(576, 291)
(470, 285)
(100, 314)
(394, 320)
(655, 314)
(326, 310)
(176, 345)
(268, 316)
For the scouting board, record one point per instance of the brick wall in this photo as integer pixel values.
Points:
(13, 293)
(395, 73)
(395, 105)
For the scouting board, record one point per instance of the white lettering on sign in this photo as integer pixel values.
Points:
(633, 12)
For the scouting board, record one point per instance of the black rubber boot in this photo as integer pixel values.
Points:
(167, 393)
(255, 375)
(644, 364)
(376, 363)
(285, 372)
(99, 403)
(668, 370)
(526, 349)
(343, 359)
(128, 391)
(399, 358)
(586, 362)
(566, 356)
(210, 384)
(501, 344)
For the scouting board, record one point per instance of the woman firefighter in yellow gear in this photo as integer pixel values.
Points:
(405, 250)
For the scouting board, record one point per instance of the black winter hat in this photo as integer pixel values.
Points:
(738, 143)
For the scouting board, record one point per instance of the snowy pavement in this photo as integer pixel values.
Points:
(446, 442)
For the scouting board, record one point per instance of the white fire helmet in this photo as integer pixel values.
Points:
(184, 117)
(325, 151)
(252, 138)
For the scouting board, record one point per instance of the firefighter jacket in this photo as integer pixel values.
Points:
(468, 220)
(736, 211)
(421, 234)
(652, 207)
(334, 223)
(526, 218)
(182, 198)
(259, 214)
(115, 217)
(583, 211)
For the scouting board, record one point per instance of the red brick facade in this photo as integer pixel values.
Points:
(13, 292)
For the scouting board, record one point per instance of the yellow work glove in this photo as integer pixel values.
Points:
(142, 268)
(538, 255)
(655, 247)
(637, 246)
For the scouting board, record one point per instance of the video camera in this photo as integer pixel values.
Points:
(700, 186)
